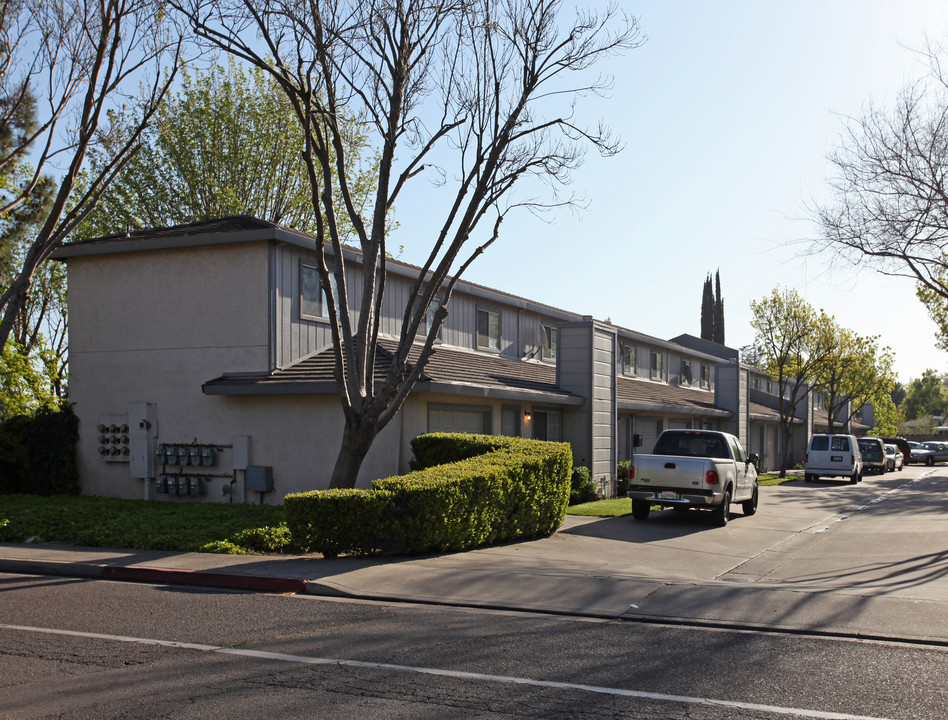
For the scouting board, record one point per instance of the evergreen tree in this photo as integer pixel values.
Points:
(718, 335)
(707, 310)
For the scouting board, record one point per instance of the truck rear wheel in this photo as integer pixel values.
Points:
(720, 514)
(640, 509)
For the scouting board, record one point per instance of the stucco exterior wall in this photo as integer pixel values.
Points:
(152, 327)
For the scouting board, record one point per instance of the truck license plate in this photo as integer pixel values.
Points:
(668, 495)
(836, 458)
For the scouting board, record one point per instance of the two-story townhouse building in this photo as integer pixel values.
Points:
(201, 364)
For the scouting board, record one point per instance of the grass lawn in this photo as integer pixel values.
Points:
(142, 525)
(617, 507)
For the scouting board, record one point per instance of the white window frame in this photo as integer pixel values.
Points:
(433, 308)
(629, 360)
(553, 418)
(656, 362)
(547, 342)
(320, 303)
(489, 341)
(705, 376)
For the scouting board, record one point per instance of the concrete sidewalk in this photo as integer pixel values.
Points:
(676, 572)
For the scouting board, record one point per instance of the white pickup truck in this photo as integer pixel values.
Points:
(694, 469)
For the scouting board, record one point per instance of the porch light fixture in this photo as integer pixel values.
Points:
(527, 415)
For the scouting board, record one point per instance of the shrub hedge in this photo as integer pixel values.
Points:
(38, 453)
(464, 491)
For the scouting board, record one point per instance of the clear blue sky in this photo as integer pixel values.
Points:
(727, 113)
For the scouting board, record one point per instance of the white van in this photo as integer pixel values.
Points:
(833, 456)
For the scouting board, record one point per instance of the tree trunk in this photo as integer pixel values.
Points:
(357, 437)
(14, 301)
(787, 432)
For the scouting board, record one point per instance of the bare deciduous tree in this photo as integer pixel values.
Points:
(487, 85)
(70, 63)
(889, 206)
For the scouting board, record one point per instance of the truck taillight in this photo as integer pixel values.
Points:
(632, 472)
(806, 458)
(711, 477)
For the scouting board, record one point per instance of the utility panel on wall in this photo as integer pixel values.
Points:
(142, 431)
(113, 438)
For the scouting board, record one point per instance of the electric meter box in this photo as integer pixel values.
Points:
(259, 478)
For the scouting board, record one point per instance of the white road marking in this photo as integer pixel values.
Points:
(457, 674)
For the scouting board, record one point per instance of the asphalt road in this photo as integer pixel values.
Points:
(97, 649)
(80, 648)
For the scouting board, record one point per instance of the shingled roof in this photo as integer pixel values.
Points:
(635, 394)
(448, 370)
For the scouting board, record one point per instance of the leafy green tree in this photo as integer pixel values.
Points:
(899, 392)
(24, 380)
(937, 305)
(226, 143)
(792, 343)
(856, 371)
(887, 417)
(926, 395)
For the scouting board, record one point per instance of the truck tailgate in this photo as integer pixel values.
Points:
(667, 471)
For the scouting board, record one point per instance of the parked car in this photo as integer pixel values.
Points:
(873, 454)
(895, 459)
(902, 444)
(833, 456)
(930, 452)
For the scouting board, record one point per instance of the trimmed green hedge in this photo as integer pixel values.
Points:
(38, 453)
(466, 491)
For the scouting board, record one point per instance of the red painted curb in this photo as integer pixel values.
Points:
(230, 581)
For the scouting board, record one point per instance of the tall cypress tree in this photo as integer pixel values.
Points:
(718, 335)
(707, 310)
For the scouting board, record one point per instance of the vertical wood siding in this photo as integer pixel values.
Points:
(603, 403)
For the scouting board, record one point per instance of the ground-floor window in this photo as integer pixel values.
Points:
(459, 418)
(548, 424)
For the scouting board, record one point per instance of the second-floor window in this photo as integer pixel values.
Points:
(313, 303)
(548, 342)
(430, 313)
(705, 377)
(656, 365)
(488, 330)
(628, 359)
(685, 372)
